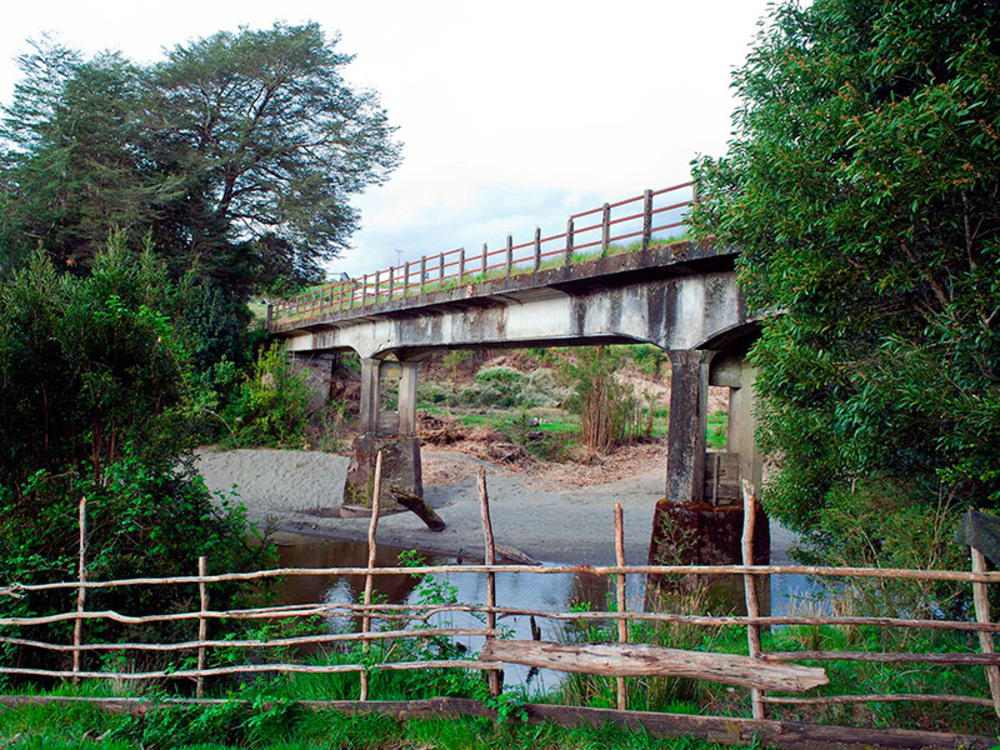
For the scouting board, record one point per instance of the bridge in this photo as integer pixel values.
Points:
(617, 274)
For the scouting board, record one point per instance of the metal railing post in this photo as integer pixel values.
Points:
(485, 253)
(423, 272)
(510, 255)
(461, 266)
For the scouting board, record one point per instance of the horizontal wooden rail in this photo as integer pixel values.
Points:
(678, 570)
(257, 642)
(251, 669)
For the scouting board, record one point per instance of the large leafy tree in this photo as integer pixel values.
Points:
(238, 153)
(863, 185)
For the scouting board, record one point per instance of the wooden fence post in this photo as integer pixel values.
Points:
(392, 272)
(750, 589)
(423, 272)
(491, 584)
(981, 600)
(621, 594)
(647, 218)
(510, 255)
(81, 593)
(440, 271)
(538, 250)
(605, 229)
(461, 266)
(569, 241)
(366, 619)
(485, 263)
(202, 624)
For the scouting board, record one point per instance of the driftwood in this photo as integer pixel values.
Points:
(420, 507)
(644, 660)
(509, 554)
(718, 729)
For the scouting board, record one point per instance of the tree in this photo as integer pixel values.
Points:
(94, 373)
(862, 186)
(238, 153)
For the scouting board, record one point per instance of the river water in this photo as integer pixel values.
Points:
(552, 592)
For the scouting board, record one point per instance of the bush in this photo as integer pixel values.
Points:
(271, 407)
(95, 378)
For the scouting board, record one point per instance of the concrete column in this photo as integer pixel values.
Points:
(687, 425)
(408, 399)
(394, 438)
(743, 424)
(369, 396)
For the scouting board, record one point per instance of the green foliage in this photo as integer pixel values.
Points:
(861, 187)
(610, 412)
(238, 152)
(271, 406)
(94, 375)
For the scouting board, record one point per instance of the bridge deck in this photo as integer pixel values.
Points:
(658, 261)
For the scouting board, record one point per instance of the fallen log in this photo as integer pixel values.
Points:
(419, 506)
(644, 660)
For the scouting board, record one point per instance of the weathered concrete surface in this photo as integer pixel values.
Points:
(696, 533)
(400, 468)
(676, 297)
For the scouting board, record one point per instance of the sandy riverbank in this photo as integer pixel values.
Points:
(299, 493)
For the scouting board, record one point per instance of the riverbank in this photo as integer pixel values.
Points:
(541, 514)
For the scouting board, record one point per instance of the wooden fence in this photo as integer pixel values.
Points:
(763, 672)
(590, 234)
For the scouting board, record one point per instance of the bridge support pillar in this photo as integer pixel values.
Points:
(393, 433)
(690, 528)
(688, 425)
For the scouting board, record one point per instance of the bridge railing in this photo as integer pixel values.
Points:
(636, 223)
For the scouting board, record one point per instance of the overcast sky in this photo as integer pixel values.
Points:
(512, 114)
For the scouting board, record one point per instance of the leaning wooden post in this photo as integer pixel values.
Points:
(980, 598)
(81, 594)
(491, 583)
(605, 229)
(202, 624)
(622, 622)
(750, 589)
(366, 620)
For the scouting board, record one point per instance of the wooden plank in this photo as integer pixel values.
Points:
(644, 660)
(720, 729)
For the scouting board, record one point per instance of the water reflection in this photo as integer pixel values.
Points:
(549, 592)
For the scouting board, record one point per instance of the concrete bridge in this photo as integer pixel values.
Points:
(552, 291)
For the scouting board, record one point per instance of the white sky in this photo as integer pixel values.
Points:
(512, 114)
